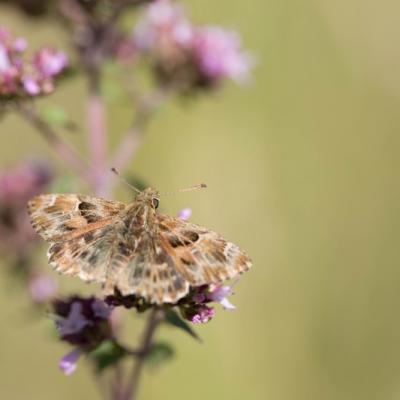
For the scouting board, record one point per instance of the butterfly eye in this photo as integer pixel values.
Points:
(156, 202)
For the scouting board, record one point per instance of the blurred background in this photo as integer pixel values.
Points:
(302, 167)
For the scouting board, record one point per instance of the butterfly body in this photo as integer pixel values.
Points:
(131, 249)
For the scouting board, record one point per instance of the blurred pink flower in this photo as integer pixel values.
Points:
(219, 54)
(163, 22)
(20, 75)
(17, 185)
(195, 56)
(42, 288)
(185, 213)
(49, 62)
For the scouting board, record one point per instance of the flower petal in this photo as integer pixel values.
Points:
(68, 363)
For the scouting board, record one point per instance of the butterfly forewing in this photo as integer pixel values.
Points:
(61, 216)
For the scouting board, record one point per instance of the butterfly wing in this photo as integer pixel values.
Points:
(81, 230)
(144, 268)
(199, 255)
(86, 256)
(60, 217)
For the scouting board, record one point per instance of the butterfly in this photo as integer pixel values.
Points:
(132, 249)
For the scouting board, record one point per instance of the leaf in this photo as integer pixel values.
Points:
(159, 353)
(173, 318)
(106, 355)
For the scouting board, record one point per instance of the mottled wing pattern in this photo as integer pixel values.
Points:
(86, 256)
(94, 239)
(80, 229)
(141, 266)
(199, 255)
(60, 217)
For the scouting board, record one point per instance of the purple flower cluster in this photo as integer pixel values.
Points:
(195, 307)
(27, 76)
(17, 185)
(200, 56)
(83, 323)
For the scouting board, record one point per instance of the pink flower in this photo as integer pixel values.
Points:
(219, 55)
(194, 56)
(68, 363)
(21, 76)
(42, 288)
(17, 185)
(202, 314)
(49, 62)
(31, 85)
(163, 23)
(185, 213)
(5, 64)
(219, 294)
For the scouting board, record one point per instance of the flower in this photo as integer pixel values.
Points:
(200, 314)
(191, 55)
(68, 363)
(219, 294)
(195, 306)
(23, 76)
(49, 62)
(83, 322)
(219, 55)
(185, 213)
(18, 184)
(42, 287)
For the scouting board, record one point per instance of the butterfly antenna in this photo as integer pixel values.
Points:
(114, 170)
(189, 189)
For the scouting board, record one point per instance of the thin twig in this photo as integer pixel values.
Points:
(65, 152)
(156, 317)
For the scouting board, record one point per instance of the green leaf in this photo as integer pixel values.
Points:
(173, 318)
(159, 353)
(106, 355)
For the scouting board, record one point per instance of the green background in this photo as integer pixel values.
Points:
(302, 166)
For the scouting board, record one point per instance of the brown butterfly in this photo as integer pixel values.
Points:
(131, 249)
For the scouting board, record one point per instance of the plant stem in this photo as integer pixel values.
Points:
(65, 152)
(96, 122)
(156, 317)
(133, 137)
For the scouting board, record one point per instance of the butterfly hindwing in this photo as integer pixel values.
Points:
(86, 256)
(201, 256)
(144, 268)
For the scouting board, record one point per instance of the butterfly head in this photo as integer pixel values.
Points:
(149, 197)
